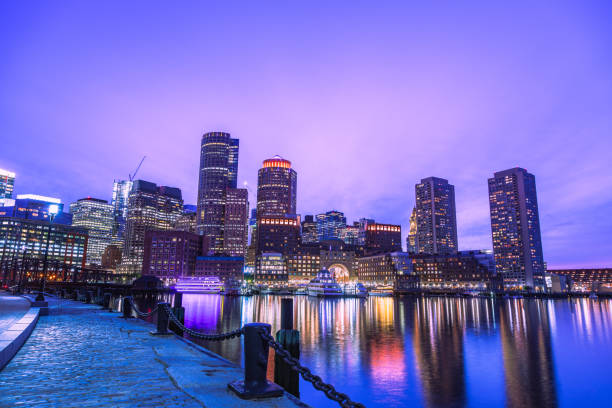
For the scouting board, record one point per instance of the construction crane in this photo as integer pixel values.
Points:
(137, 168)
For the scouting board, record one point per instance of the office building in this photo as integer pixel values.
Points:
(170, 255)
(271, 269)
(383, 269)
(24, 243)
(351, 235)
(186, 222)
(584, 280)
(223, 267)
(96, 216)
(235, 232)
(276, 188)
(383, 238)
(37, 207)
(436, 216)
(412, 240)
(303, 264)
(515, 227)
(278, 234)
(111, 257)
(309, 230)
(121, 193)
(150, 207)
(7, 183)
(330, 224)
(218, 173)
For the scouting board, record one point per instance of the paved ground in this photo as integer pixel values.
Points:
(80, 356)
(12, 308)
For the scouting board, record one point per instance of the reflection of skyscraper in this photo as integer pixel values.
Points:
(218, 172)
(515, 226)
(436, 216)
(527, 353)
(438, 348)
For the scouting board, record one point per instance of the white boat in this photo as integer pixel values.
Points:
(324, 285)
(354, 289)
(381, 291)
(199, 284)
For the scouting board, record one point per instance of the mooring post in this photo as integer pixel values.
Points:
(255, 384)
(106, 304)
(89, 296)
(179, 312)
(162, 319)
(290, 340)
(127, 307)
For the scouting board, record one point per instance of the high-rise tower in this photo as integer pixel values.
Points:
(96, 216)
(436, 216)
(515, 227)
(7, 182)
(218, 172)
(276, 188)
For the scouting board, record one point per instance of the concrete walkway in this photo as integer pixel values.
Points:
(12, 308)
(81, 356)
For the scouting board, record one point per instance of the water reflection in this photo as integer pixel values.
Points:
(432, 352)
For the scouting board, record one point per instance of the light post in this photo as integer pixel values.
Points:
(53, 210)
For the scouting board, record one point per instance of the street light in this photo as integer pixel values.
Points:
(53, 210)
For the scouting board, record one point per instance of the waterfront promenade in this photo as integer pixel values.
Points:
(81, 355)
(12, 308)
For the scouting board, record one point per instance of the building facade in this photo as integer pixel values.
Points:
(309, 230)
(223, 267)
(218, 173)
(382, 238)
(235, 232)
(412, 240)
(186, 222)
(436, 216)
(330, 225)
(271, 269)
(278, 234)
(584, 280)
(7, 183)
(150, 207)
(24, 243)
(303, 264)
(170, 255)
(121, 194)
(37, 207)
(515, 227)
(383, 269)
(96, 216)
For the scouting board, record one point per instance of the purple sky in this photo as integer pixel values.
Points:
(364, 98)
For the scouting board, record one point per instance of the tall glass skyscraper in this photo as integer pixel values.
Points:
(276, 188)
(412, 241)
(436, 216)
(97, 217)
(235, 229)
(218, 172)
(7, 183)
(121, 192)
(515, 227)
(330, 225)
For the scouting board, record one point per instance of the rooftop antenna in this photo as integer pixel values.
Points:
(137, 168)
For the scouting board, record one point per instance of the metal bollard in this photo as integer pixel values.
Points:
(162, 320)
(178, 299)
(255, 384)
(290, 340)
(127, 307)
(107, 301)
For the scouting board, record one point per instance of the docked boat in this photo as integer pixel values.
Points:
(354, 289)
(324, 285)
(199, 284)
(381, 291)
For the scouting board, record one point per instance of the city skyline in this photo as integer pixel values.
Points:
(354, 136)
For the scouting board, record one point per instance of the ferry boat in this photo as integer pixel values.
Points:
(354, 289)
(324, 285)
(199, 284)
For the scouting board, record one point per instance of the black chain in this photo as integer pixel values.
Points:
(307, 375)
(138, 312)
(196, 334)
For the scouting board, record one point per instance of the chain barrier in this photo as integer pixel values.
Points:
(199, 335)
(307, 375)
(138, 312)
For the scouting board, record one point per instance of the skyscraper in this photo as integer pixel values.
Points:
(515, 227)
(121, 192)
(436, 216)
(235, 232)
(276, 188)
(96, 216)
(7, 183)
(309, 230)
(330, 225)
(412, 241)
(149, 208)
(218, 172)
